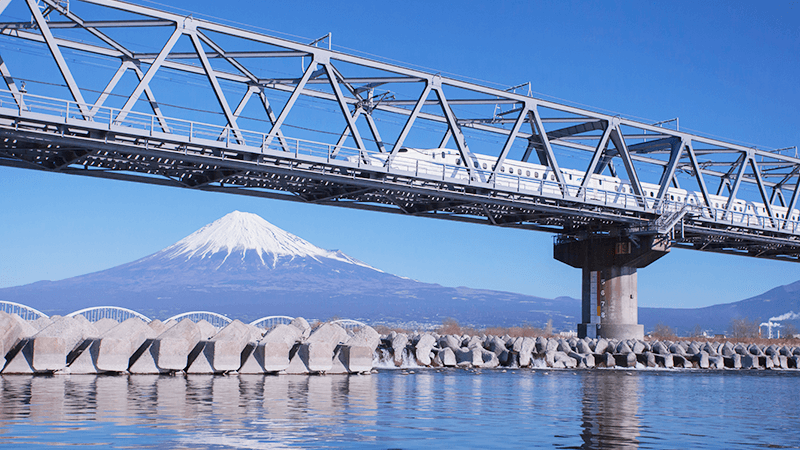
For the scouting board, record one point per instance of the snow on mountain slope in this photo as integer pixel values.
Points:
(239, 233)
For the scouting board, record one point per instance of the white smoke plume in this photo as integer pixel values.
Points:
(791, 315)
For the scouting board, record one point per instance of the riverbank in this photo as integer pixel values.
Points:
(74, 345)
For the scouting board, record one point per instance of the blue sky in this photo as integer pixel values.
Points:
(728, 69)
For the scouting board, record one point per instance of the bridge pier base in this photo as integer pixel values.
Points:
(609, 294)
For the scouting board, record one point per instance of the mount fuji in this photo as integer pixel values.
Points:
(244, 267)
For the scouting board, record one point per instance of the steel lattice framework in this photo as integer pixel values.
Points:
(139, 124)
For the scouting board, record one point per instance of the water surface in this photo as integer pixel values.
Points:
(397, 409)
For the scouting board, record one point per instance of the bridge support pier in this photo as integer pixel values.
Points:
(609, 293)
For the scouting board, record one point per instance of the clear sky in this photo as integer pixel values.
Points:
(729, 69)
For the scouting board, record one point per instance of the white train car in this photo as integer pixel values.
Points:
(538, 179)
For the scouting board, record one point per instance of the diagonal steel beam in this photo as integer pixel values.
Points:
(777, 192)
(351, 124)
(276, 125)
(271, 115)
(398, 144)
(373, 127)
(112, 83)
(80, 22)
(60, 61)
(151, 71)
(736, 184)
(668, 174)
(469, 160)
(551, 157)
(4, 5)
(793, 201)
(212, 78)
(12, 85)
(598, 153)
(523, 114)
(698, 173)
(345, 133)
(232, 61)
(151, 98)
(622, 151)
(761, 189)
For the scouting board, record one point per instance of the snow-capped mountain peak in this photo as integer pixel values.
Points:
(239, 233)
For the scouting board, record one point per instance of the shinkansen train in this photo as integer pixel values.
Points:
(536, 178)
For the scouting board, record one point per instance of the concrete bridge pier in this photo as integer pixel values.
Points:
(609, 284)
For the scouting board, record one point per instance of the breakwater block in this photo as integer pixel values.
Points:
(399, 343)
(173, 346)
(19, 359)
(357, 359)
(199, 359)
(10, 331)
(448, 357)
(320, 356)
(86, 361)
(275, 347)
(226, 347)
(119, 343)
(275, 355)
(252, 360)
(206, 329)
(298, 361)
(329, 333)
(143, 361)
(104, 325)
(750, 361)
(664, 360)
(627, 359)
(52, 345)
(339, 363)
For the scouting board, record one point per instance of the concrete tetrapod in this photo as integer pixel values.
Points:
(227, 345)
(359, 349)
(172, 347)
(53, 345)
(117, 345)
(112, 352)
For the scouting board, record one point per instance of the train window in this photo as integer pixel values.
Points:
(535, 174)
(519, 171)
(527, 173)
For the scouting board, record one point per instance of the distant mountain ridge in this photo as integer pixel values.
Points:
(779, 304)
(245, 267)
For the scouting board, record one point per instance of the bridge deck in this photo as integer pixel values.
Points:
(51, 134)
(382, 108)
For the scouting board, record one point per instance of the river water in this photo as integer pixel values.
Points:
(404, 409)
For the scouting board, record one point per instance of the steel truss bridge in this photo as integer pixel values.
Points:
(111, 89)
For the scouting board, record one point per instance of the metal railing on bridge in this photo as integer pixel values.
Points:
(117, 313)
(25, 312)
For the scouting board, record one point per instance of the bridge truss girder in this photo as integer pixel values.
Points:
(374, 99)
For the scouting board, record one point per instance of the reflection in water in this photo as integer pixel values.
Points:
(205, 409)
(568, 409)
(609, 410)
